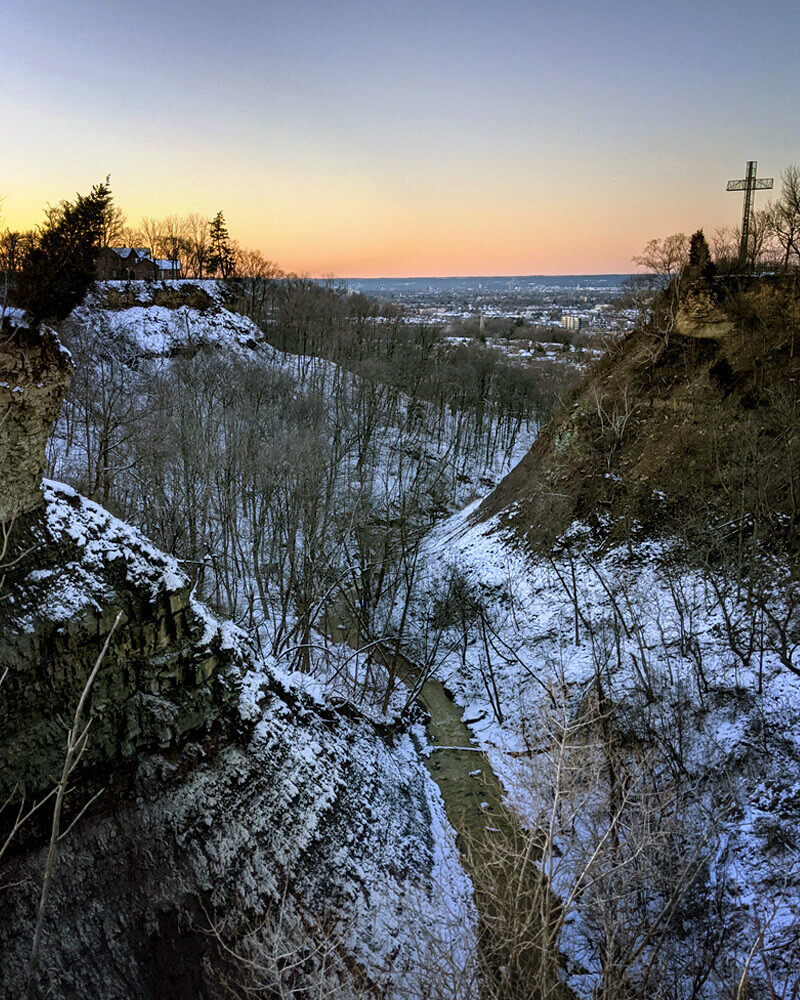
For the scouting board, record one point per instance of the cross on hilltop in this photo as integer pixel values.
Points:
(749, 184)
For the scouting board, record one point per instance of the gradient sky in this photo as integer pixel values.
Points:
(371, 138)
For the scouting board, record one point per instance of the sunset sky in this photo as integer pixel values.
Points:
(418, 138)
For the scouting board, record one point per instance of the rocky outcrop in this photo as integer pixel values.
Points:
(301, 813)
(699, 315)
(227, 797)
(67, 571)
(34, 374)
(167, 668)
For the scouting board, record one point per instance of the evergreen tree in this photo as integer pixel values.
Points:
(61, 262)
(700, 263)
(221, 258)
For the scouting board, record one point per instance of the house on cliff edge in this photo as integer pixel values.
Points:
(134, 263)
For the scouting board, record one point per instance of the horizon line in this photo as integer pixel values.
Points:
(442, 277)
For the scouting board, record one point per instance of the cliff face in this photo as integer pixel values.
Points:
(34, 374)
(67, 569)
(699, 315)
(143, 319)
(168, 666)
(227, 797)
(287, 816)
(215, 800)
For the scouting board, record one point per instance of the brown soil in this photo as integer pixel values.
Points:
(669, 431)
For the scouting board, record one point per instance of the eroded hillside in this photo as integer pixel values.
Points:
(690, 422)
(620, 619)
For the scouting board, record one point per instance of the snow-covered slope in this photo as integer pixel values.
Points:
(133, 314)
(695, 691)
(229, 799)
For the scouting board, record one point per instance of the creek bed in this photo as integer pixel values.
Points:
(498, 854)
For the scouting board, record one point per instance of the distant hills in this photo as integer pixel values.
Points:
(488, 283)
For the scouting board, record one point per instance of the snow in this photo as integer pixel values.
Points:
(102, 538)
(736, 746)
(534, 654)
(159, 331)
(96, 541)
(15, 317)
(127, 251)
(434, 915)
(398, 932)
(406, 448)
(322, 776)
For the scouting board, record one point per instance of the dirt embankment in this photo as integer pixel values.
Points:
(693, 419)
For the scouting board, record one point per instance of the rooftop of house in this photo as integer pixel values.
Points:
(140, 252)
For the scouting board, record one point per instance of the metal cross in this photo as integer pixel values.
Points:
(749, 184)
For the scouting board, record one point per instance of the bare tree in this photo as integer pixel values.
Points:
(197, 244)
(725, 244)
(114, 229)
(289, 954)
(77, 740)
(174, 237)
(785, 216)
(666, 257)
(152, 232)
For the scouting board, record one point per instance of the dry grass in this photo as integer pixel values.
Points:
(675, 428)
(162, 295)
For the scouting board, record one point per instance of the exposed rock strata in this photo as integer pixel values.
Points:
(163, 674)
(699, 315)
(315, 808)
(34, 374)
(225, 793)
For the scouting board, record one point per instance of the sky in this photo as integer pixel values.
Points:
(371, 138)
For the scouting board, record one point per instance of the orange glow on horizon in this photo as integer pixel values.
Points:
(373, 139)
(345, 234)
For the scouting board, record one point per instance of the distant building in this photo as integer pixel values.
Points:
(168, 268)
(571, 323)
(134, 263)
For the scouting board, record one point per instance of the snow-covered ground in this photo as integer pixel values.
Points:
(532, 647)
(383, 453)
(152, 330)
(350, 816)
(400, 930)
(499, 629)
(414, 434)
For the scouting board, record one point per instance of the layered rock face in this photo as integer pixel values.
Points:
(68, 569)
(300, 814)
(699, 315)
(167, 668)
(34, 374)
(227, 797)
(214, 798)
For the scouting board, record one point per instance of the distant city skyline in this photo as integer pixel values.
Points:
(371, 139)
